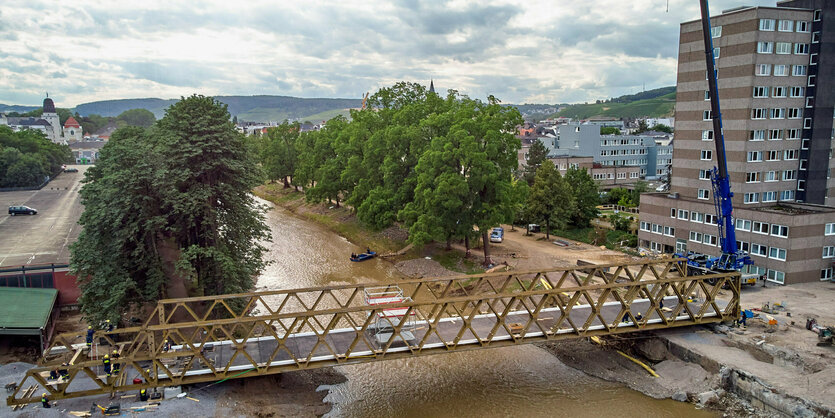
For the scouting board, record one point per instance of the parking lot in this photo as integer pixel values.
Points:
(45, 237)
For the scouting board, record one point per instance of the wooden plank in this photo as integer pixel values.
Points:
(76, 355)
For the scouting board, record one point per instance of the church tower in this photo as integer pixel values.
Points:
(51, 116)
(432, 86)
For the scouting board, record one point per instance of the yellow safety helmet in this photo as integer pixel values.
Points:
(115, 352)
(106, 356)
(89, 327)
(107, 320)
(44, 394)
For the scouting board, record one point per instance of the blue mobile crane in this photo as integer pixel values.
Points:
(732, 258)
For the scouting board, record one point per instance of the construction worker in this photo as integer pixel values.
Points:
(106, 362)
(53, 374)
(143, 395)
(45, 401)
(639, 317)
(108, 325)
(115, 354)
(90, 333)
(63, 371)
(166, 346)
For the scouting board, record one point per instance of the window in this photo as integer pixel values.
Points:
(791, 154)
(752, 197)
(781, 70)
(707, 115)
(757, 135)
(773, 155)
(776, 276)
(709, 239)
(657, 229)
(761, 92)
(777, 253)
(811, 82)
(784, 47)
(697, 217)
(683, 214)
(770, 196)
(807, 123)
(669, 231)
(796, 91)
(770, 176)
(752, 177)
(760, 250)
(810, 102)
(743, 224)
(759, 227)
(710, 219)
(778, 92)
(827, 273)
(715, 31)
(804, 164)
(758, 113)
(744, 246)
(803, 26)
(704, 175)
(780, 231)
(787, 195)
(828, 252)
(754, 156)
(681, 246)
(645, 226)
(765, 47)
(695, 236)
(798, 70)
(762, 69)
(767, 24)
(816, 37)
(829, 229)
(716, 52)
(801, 49)
(785, 25)
(672, 212)
(816, 16)
(801, 185)
(777, 114)
(805, 143)
(707, 94)
(789, 175)
(621, 176)
(775, 134)
(706, 155)
(704, 194)
(707, 135)
(813, 59)
(795, 113)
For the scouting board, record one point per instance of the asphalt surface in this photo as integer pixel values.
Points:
(43, 238)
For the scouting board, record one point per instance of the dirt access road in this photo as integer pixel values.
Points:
(531, 252)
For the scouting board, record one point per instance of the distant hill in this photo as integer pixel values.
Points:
(651, 103)
(4, 108)
(246, 108)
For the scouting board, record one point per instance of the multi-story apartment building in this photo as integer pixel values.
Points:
(651, 152)
(775, 73)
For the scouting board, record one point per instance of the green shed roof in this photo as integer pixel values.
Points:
(25, 308)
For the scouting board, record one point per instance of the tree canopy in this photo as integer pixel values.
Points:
(167, 209)
(137, 117)
(537, 153)
(27, 157)
(550, 200)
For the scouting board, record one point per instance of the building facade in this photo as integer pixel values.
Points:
(771, 101)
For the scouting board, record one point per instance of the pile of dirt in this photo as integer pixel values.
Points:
(423, 267)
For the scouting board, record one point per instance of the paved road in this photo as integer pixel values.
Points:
(45, 237)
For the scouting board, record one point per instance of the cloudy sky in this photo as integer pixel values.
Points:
(524, 51)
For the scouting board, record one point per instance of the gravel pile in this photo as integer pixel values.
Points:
(421, 267)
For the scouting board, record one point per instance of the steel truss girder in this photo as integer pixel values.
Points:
(259, 333)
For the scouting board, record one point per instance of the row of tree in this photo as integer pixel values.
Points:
(445, 167)
(27, 157)
(168, 212)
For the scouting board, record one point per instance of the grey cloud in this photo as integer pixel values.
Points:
(180, 74)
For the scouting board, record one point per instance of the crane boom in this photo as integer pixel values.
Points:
(731, 258)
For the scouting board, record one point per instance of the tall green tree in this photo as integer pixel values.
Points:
(550, 200)
(537, 153)
(137, 117)
(167, 204)
(279, 152)
(586, 196)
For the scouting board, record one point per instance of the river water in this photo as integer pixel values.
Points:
(511, 381)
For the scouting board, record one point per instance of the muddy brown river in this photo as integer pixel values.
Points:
(511, 381)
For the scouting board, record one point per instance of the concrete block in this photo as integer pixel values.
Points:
(171, 392)
(707, 397)
(680, 396)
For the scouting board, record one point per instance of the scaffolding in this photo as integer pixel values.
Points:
(387, 320)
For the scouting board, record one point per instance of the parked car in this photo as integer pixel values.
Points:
(22, 210)
(497, 235)
(70, 170)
